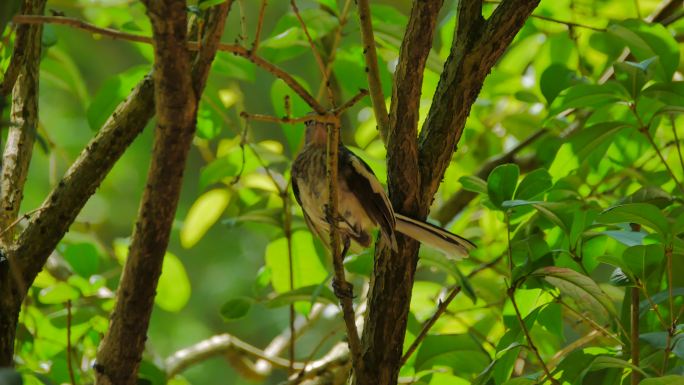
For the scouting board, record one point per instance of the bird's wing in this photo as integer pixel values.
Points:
(368, 191)
(323, 237)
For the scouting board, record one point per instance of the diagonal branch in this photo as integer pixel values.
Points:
(477, 47)
(176, 98)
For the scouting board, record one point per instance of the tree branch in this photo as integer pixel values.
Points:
(192, 45)
(23, 123)
(23, 76)
(477, 47)
(371, 56)
(177, 97)
(392, 281)
(220, 345)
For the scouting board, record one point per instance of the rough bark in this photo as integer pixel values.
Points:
(415, 168)
(176, 99)
(23, 77)
(391, 286)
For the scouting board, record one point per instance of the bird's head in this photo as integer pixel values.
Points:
(316, 133)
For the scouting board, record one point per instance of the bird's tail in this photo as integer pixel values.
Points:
(434, 236)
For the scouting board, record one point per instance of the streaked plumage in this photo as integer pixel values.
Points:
(363, 204)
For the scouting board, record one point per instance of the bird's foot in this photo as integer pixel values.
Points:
(342, 289)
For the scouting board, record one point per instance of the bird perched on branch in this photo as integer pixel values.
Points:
(363, 204)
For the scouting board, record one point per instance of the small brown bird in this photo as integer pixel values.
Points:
(363, 204)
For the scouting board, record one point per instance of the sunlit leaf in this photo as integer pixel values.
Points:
(647, 40)
(60, 292)
(307, 267)
(173, 290)
(206, 210)
(579, 287)
(533, 184)
(474, 184)
(501, 183)
(641, 213)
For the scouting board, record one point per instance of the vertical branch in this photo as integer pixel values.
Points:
(23, 124)
(634, 327)
(372, 70)
(287, 229)
(260, 24)
(22, 76)
(389, 297)
(337, 257)
(176, 107)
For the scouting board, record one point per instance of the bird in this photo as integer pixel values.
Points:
(363, 204)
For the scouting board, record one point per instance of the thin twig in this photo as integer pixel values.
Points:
(335, 247)
(530, 342)
(316, 54)
(260, 24)
(70, 366)
(568, 23)
(192, 45)
(286, 120)
(676, 140)
(333, 48)
(441, 309)
(372, 70)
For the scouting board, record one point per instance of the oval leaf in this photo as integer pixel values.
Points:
(236, 308)
(206, 210)
(173, 290)
(501, 183)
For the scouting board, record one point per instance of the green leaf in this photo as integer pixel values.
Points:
(311, 293)
(206, 210)
(473, 183)
(633, 76)
(641, 213)
(111, 93)
(659, 340)
(627, 238)
(534, 184)
(650, 194)
(307, 266)
(555, 79)
(360, 263)
(173, 290)
(84, 258)
(579, 287)
(150, 373)
(483, 377)
(648, 40)
(659, 298)
(501, 183)
(236, 308)
(60, 292)
(9, 376)
(589, 95)
(667, 380)
(595, 138)
(458, 351)
(638, 258)
(606, 362)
